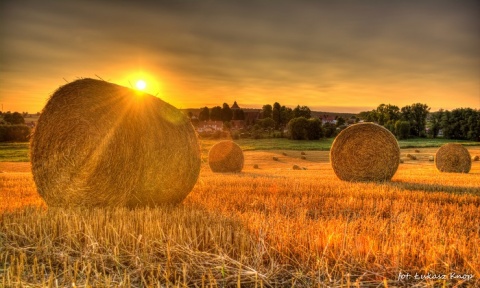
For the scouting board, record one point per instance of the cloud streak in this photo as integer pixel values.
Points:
(316, 53)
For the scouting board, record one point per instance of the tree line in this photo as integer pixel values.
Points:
(13, 128)
(416, 120)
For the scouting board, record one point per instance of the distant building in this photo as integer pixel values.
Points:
(210, 126)
(328, 119)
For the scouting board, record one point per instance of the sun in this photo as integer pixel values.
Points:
(141, 85)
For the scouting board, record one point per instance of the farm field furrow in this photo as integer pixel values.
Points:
(272, 226)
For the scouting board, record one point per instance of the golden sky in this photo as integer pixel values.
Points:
(329, 55)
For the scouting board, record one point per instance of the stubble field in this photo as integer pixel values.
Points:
(267, 227)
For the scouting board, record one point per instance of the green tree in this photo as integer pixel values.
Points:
(435, 123)
(302, 111)
(297, 128)
(267, 123)
(238, 114)
(204, 114)
(286, 114)
(340, 121)
(277, 114)
(267, 111)
(387, 112)
(402, 129)
(13, 118)
(227, 113)
(329, 130)
(216, 113)
(314, 129)
(416, 114)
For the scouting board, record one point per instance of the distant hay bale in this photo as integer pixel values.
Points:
(431, 158)
(417, 151)
(296, 167)
(255, 166)
(226, 157)
(101, 144)
(401, 161)
(303, 153)
(284, 154)
(476, 158)
(453, 157)
(411, 157)
(304, 168)
(275, 158)
(303, 157)
(365, 152)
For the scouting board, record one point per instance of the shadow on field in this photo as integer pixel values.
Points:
(434, 187)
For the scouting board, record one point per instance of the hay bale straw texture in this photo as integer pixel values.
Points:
(226, 156)
(453, 157)
(365, 152)
(101, 144)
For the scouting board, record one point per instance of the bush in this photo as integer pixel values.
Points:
(314, 129)
(329, 130)
(297, 128)
(402, 129)
(20, 133)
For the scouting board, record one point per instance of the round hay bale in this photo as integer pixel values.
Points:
(412, 157)
(431, 158)
(255, 166)
(284, 154)
(303, 153)
(225, 156)
(476, 158)
(303, 158)
(453, 157)
(275, 158)
(101, 144)
(296, 167)
(417, 151)
(365, 152)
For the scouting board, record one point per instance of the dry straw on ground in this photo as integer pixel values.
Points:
(453, 157)
(100, 144)
(365, 152)
(226, 156)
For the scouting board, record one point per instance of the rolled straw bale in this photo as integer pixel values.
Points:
(296, 167)
(453, 157)
(226, 156)
(365, 152)
(417, 151)
(431, 158)
(476, 158)
(284, 154)
(275, 158)
(255, 166)
(101, 144)
(303, 158)
(412, 157)
(303, 153)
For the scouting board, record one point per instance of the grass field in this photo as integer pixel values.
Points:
(18, 152)
(266, 227)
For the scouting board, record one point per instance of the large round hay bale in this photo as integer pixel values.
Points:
(101, 144)
(365, 152)
(225, 156)
(453, 157)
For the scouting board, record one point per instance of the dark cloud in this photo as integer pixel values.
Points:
(257, 45)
